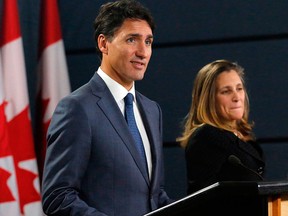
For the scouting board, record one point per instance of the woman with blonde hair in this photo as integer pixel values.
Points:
(218, 138)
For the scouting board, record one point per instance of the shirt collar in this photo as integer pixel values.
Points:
(117, 90)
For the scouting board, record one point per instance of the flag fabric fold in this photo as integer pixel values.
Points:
(19, 179)
(53, 79)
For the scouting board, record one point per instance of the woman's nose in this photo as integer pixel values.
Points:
(235, 96)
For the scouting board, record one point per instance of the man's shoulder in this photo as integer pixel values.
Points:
(143, 98)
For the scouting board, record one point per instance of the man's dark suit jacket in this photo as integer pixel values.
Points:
(92, 166)
(214, 155)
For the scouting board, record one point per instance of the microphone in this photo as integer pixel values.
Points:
(232, 159)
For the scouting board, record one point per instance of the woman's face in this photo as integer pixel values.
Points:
(230, 97)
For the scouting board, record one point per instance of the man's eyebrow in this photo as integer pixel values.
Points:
(150, 36)
(138, 35)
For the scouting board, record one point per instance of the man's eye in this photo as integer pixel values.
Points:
(130, 40)
(148, 42)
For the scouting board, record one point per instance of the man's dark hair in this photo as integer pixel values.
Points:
(112, 15)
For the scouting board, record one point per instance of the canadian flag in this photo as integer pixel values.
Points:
(19, 182)
(53, 83)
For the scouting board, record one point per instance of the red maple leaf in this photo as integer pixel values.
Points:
(5, 195)
(22, 146)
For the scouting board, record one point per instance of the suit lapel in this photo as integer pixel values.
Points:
(109, 107)
(151, 126)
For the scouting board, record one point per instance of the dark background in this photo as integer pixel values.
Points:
(189, 35)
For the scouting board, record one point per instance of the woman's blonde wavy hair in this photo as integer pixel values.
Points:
(203, 107)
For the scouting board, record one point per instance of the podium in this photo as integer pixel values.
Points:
(233, 199)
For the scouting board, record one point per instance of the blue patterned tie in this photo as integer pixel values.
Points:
(129, 116)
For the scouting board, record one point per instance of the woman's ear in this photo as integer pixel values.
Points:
(102, 44)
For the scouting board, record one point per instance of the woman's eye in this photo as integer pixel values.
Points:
(225, 92)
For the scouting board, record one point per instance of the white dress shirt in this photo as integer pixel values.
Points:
(119, 93)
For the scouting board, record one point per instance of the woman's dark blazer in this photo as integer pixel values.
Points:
(214, 155)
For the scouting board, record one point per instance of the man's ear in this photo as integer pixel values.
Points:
(102, 44)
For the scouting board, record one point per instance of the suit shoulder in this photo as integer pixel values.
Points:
(145, 99)
(140, 96)
(76, 99)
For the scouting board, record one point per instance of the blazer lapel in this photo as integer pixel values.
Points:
(249, 149)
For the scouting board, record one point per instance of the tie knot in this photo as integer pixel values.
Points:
(129, 99)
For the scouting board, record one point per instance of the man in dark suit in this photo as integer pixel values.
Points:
(92, 163)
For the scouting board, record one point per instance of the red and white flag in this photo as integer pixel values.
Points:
(53, 83)
(19, 182)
